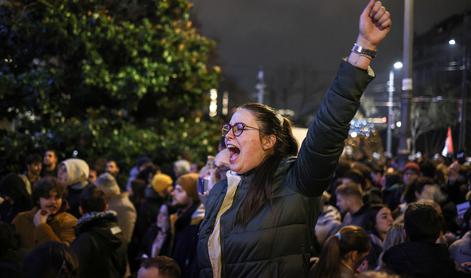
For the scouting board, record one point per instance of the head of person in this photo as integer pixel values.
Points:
(396, 235)
(73, 171)
(379, 220)
(185, 193)
(181, 167)
(422, 223)
(410, 173)
(349, 197)
(50, 159)
(350, 246)
(92, 199)
(425, 188)
(48, 194)
(92, 176)
(355, 176)
(112, 168)
(159, 267)
(161, 184)
(33, 165)
(51, 259)
(107, 183)
(257, 138)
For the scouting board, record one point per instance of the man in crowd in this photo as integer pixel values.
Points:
(73, 173)
(112, 168)
(99, 245)
(33, 171)
(159, 267)
(48, 220)
(49, 163)
(350, 201)
(120, 203)
(420, 256)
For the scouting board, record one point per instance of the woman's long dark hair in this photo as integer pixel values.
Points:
(346, 240)
(259, 193)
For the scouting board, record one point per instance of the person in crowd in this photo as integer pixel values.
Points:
(10, 256)
(350, 202)
(51, 259)
(112, 168)
(395, 195)
(92, 176)
(259, 221)
(99, 246)
(47, 220)
(423, 188)
(141, 163)
(342, 253)
(73, 173)
(379, 222)
(329, 221)
(13, 197)
(49, 163)
(460, 250)
(159, 267)
(392, 188)
(184, 224)
(154, 194)
(181, 167)
(396, 235)
(33, 171)
(420, 255)
(120, 203)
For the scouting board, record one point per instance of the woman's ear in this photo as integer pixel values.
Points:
(268, 142)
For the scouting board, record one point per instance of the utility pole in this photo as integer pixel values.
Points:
(407, 84)
(390, 113)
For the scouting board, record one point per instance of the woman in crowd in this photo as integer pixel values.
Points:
(343, 253)
(259, 222)
(380, 221)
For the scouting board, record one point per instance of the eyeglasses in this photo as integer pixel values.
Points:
(237, 129)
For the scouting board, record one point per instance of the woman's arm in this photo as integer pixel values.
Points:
(324, 142)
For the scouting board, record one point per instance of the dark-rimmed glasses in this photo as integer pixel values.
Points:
(237, 129)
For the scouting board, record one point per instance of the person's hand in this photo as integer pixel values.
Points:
(375, 24)
(40, 217)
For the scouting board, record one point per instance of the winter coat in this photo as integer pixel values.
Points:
(99, 247)
(126, 214)
(278, 240)
(185, 238)
(59, 227)
(16, 197)
(419, 259)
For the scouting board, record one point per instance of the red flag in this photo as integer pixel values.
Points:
(448, 148)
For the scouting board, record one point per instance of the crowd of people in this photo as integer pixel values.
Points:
(375, 216)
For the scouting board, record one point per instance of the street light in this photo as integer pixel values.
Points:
(452, 42)
(397, 66)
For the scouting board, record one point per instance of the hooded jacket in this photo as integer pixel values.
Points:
(76, 181)
(278, 241)
(99, 247)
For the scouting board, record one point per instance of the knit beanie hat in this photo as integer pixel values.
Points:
(107, 183)
(189, 183)
(161, 183)
(412, 166)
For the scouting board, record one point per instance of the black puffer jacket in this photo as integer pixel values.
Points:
(278, 241)
(99, 247)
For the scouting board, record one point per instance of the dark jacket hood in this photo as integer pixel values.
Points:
(103, 225)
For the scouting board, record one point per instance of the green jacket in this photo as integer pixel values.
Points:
(278, 241)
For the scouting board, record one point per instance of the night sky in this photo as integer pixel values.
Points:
(299, 42)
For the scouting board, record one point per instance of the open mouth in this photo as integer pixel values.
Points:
(234, 153)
